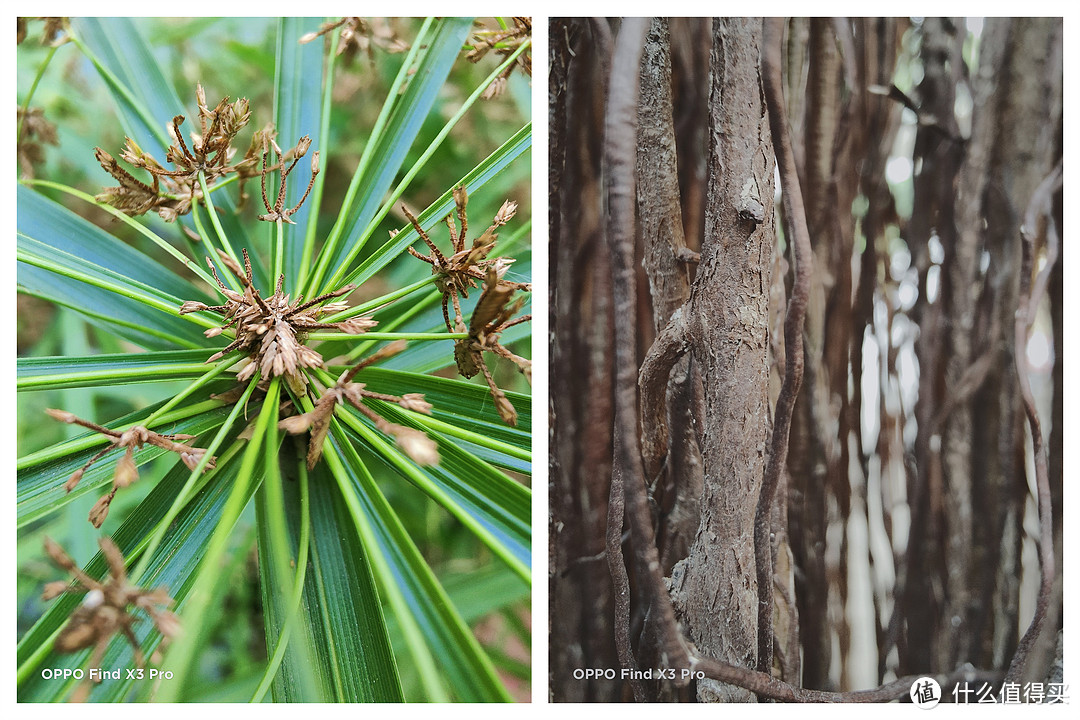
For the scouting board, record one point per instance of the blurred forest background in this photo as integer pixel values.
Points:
(906, 531)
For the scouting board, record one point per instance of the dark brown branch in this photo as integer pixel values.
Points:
(1040, 203)
(672, 343)
(767, 686)
(620, 151)
(617, 217)
(795, 215)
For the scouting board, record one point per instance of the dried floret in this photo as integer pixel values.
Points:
(505, 42)
(359, 35)
(104, 611)
(416, 444)
(456, 274)
(127, 471)
(490, 318)
(272, 331)
(210, 153)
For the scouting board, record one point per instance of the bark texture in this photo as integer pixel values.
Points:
(715, 588)
(903, 534)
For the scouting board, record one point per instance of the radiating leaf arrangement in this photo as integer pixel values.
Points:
(301, 419)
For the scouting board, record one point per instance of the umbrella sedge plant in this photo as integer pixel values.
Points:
(264, 401)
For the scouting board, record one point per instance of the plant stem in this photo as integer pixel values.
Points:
(182, 654)
(317, 192)
(182, 395)
(297, 590)
(332, 241)
(208, 201)
(375, 336)
(380, 301)
(452, 430)
(279, 251)
(33, 89)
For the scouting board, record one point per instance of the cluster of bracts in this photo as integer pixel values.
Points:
(271, 334)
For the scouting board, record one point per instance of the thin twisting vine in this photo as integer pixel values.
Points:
(795, 215)
(1027, 303)
(620, 149)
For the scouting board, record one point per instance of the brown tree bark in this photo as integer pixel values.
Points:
(727, 321)
(662, 235)
(580, 605)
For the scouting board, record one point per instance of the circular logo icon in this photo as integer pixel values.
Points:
(925, 692)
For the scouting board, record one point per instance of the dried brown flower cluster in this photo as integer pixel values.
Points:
(53, 33)
(272, 331)
(104, 609)
(504, 42)
(278, 212)
(172, 192)
(416, 444)
(360, 36)
(34, 130)
(461, 270)
(126, 471)
(490, 318)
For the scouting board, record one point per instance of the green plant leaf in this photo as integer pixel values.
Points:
(413, 590)
(345, 632)
(408, 115)
(108, 370)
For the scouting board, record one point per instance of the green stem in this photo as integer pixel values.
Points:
(148, 373)
(344, 337)
(452, 430)
(279, 251)
(212, 252)
(180, 397)
(206, 590)
(209, 202)
(317, 192)
(378, 302)
(416, 308)
(297, 590)
(33, 89)
(187, 491)
(330, 246)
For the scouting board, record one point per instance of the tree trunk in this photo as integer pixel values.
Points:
(728, 323)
